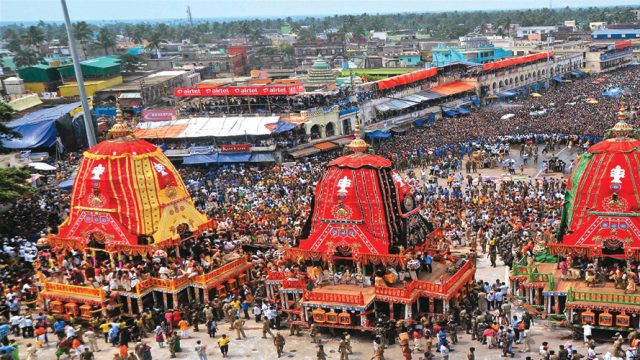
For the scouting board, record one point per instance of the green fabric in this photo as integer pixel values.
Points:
(546, 257)
(569, 196)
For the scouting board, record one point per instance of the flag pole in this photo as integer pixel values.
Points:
(88, 122)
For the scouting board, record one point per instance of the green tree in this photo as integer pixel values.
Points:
(13, 185)
(83, 33)
(106, 39)
(135, 32)
(6, 115)
(13, 39)
(245, 30)
(26, 57)
(306, 35)
(34, 36)
(129, 62)
(286, 49)
(154, 40)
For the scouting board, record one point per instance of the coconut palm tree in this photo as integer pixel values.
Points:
(26, 57)
(34, 36)
(83, 33)
(106, 39)
(154, 40)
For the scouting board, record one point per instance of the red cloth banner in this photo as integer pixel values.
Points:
(516, 61)
(158, 115)
(622, 44)
(235, 148)
(240, 91)
(407, 78)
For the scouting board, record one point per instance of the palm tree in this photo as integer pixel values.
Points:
(106, 39)
(83, 33)
(154, 40)
(34, 36)
(26, 57)
(129, 62)
(245, 30)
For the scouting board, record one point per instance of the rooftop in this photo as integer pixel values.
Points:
(615, 31)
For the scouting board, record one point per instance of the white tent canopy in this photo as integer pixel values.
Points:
(42, 166)
(212, 127)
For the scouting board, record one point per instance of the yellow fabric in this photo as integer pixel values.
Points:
(154, 153)
(168, 225)
(223, 341)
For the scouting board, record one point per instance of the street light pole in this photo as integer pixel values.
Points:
(88, 122)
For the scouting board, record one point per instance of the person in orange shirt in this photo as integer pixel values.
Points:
(183, 325)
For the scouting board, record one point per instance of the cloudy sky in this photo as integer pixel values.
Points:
(33, 10)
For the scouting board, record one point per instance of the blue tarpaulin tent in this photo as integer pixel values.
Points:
(507, 94)
(449, 113)
(38, 128)
(613, 92)
(262, 157)
(378, 134)
(559, 79)
(463, 111)
(233, 158)
(67, 184)
(105, 111)
(200, 159)
(281, 126)
(578, 73)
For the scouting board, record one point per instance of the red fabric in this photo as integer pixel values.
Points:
(515, 61)
(597, 217)
(357, 161)
(403, 188)
(407, 78)
(274, 90)
(455, 87)
(113, 148)
(614, 145)
(349, 209)
(121, 189)
(622, 44)
(103, 226)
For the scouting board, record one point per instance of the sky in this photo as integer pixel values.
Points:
(49, 10)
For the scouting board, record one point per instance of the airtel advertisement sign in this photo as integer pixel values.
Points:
(240, 91)
(158, 115)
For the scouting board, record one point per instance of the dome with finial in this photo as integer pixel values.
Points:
(320, 75)
(601, 200)
(361, 205)
(621, 131)
(119, 129)
(127, 188)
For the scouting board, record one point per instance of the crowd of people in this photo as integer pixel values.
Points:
(258, 208)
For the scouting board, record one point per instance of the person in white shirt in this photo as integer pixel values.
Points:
(70, 331)
(15, 324)
(587, 330)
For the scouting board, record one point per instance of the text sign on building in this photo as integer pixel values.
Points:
(240, 91)
(235, 148)
(158, 115)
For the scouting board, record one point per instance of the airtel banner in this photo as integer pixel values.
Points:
(240, 91)
(158, 115)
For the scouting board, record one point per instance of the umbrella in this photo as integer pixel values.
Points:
(489, 332)
(507, 116)
(536, 95)
(42, 166)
